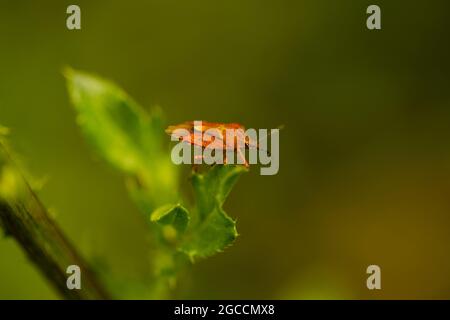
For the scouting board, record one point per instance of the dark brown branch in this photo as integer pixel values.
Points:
(23, 217)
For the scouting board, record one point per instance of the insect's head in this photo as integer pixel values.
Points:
(182, 131)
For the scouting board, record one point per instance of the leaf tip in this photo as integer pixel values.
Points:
(4, 131)
(68, 72)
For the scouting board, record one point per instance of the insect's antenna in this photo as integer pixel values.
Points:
(280, 127)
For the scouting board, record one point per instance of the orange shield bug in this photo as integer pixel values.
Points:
(214, 135)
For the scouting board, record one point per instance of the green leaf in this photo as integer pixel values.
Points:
(214, 230)
(126, 136)
(214, 186)
(172, 219)
(213, 235)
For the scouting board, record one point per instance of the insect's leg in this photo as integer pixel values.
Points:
(196, 166)
(242, 156)
(225, 159)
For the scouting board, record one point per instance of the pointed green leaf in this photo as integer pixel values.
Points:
(126, 136)
(215, 230)
(214, 186)
(172, 221)
(213, 235)
(175, 216)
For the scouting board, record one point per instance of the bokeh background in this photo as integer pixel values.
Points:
(365, 154)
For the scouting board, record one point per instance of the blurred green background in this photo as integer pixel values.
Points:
(365, 154)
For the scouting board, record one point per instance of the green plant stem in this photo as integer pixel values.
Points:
(26, 219)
